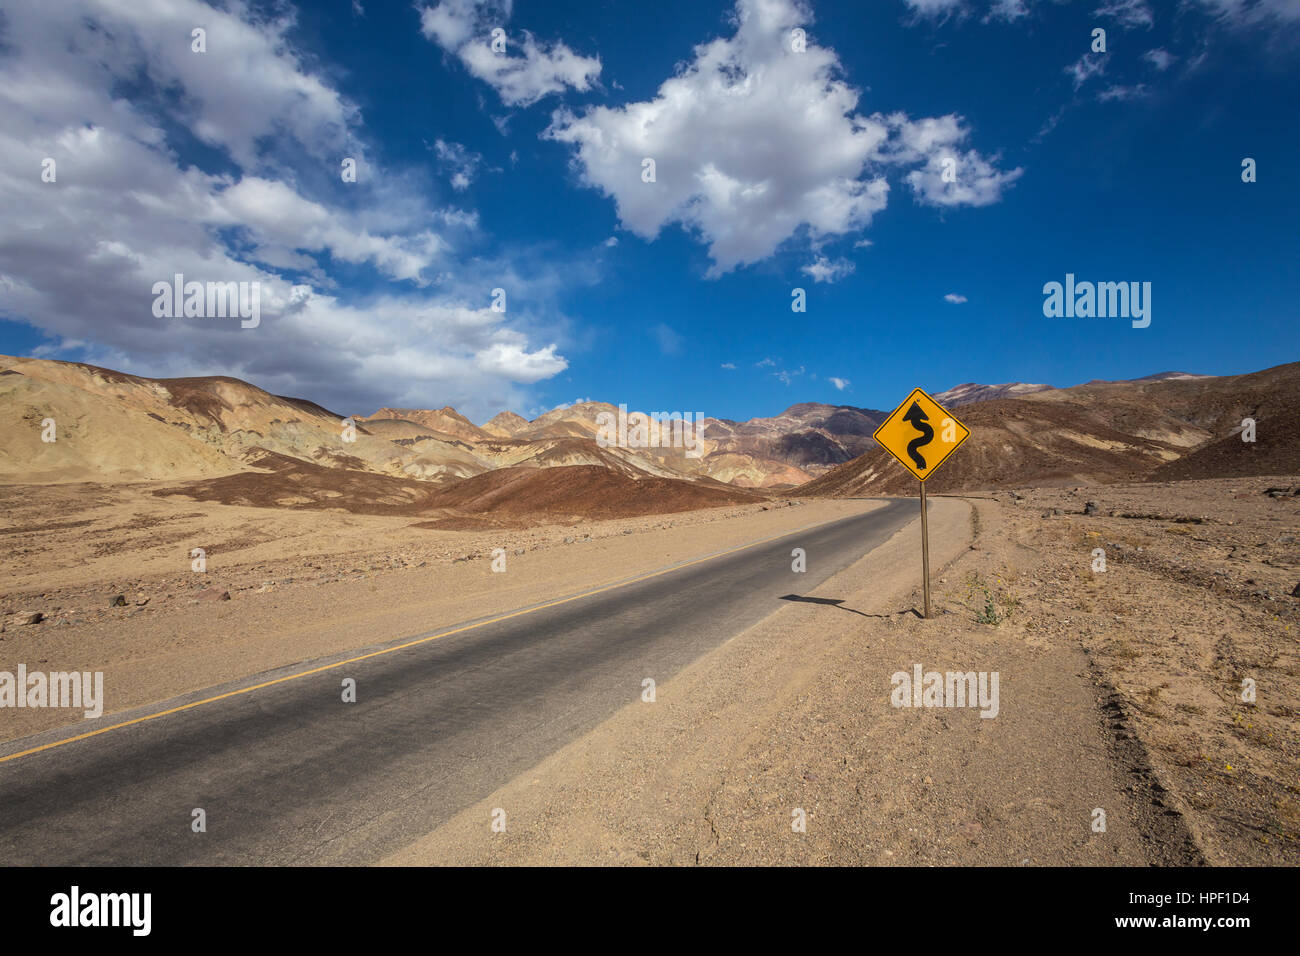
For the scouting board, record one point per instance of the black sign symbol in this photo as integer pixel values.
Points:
(921, 422)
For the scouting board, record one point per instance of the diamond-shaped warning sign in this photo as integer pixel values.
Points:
(921, 434)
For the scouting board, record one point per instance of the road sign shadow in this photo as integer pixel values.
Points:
(839, 603)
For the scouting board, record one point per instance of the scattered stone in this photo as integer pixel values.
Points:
(142, 600)
(1090, 508)
(519, 550)
(29, 617)
(568, 540)
(119, 600)
(1295, 591)
(214, 594)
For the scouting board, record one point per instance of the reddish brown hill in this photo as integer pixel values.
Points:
(292, 483)
(1275, 451)
(1013, 442)
(506, 495)
(587, 491)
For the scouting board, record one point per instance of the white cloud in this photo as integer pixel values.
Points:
(1007, 10)
(840, 383)
(1086, 67)
(462, 163)
(130, 207)
(823, 269)
(1122, 93)
(948, 175)
(1254, 12)
(936, 8)
(512, 360)
(670, 340)
(787, 376)
(753, 144)
(954, 298)
(1160, 59)
(730, 366)
(1128, 13)
(464, 28)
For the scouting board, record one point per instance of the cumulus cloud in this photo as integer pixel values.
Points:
(949, 175)
(840, 383)
(823, 269)
(753, 143)
(464, 28)
(133, 204)
(954, 298)
(730, 366)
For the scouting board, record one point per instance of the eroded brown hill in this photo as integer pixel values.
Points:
(520, 495)
(1157, 428)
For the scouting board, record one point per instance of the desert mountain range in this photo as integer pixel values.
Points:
(223, 439)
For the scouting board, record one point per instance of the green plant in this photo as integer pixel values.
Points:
(989, 614)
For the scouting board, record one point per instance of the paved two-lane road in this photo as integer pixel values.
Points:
(288, 773)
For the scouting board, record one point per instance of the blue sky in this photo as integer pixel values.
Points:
(776, 169)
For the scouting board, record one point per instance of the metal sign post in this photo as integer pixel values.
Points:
(925, 551)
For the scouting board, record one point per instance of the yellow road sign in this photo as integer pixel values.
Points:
(921, 434)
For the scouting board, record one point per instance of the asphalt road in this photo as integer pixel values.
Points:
(290, 774)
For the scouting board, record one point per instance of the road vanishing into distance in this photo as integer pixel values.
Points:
(288, 773)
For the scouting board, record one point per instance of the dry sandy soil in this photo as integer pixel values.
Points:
(301, 584)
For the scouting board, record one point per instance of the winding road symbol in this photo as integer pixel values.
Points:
(917, 418)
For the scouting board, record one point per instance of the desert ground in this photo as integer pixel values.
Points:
(1121, 690)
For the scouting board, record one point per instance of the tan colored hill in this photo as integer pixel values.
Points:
(1101, 432)
(111, 426)
(443, 421)
(969, 393)
(808, 438)
(505, 425)
(725, 457)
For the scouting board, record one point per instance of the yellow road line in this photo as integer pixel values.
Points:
(408, 644)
